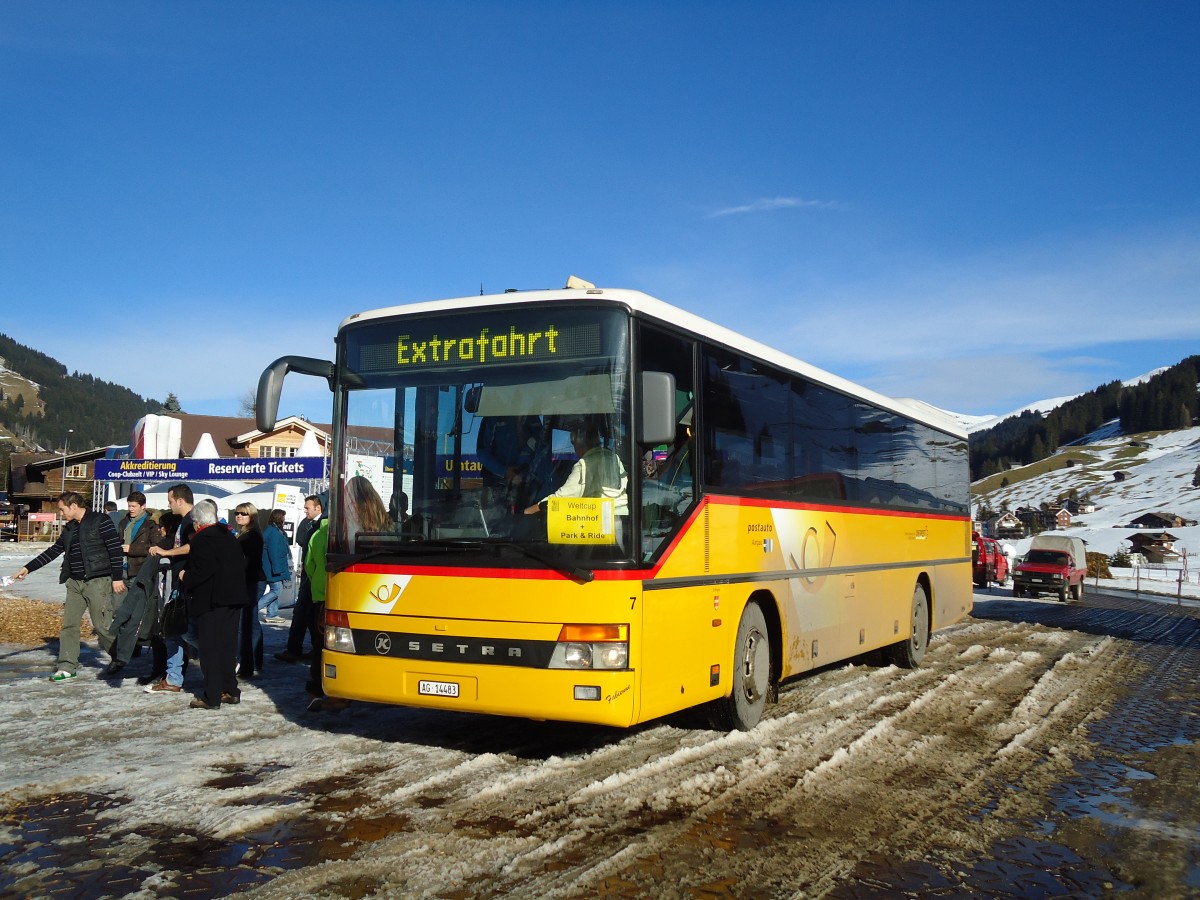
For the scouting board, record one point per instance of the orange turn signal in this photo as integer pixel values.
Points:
(589, 633)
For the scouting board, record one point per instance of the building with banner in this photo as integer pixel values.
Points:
(223, 458)
(235, 454)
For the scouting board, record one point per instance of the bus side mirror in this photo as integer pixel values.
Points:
(270, 384)
(657, 425)
(471, 402)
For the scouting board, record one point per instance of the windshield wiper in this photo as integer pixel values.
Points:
(576, 573)
(336, 562)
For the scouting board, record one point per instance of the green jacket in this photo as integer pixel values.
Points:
(314, 561)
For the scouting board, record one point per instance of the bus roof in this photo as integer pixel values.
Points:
(654, 308)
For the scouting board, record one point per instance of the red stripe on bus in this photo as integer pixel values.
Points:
(647, 574)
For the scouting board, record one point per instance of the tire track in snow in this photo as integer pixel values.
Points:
(853, 761)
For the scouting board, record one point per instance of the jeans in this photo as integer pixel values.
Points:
(250, 641)
(270, 600)
(177, 650)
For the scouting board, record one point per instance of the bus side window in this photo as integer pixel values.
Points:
(668, 484)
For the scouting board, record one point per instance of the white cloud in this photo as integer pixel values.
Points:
(1049, 302)
(769, 204)
(982, 334)
(988, 383)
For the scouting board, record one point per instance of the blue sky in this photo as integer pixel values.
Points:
(977, 204)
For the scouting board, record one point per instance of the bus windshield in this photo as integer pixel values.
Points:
(498, 436)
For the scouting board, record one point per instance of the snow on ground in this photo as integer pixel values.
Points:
(46, 721)
(269, 725)
(1160, 480)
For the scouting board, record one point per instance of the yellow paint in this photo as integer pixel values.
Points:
(845, 578)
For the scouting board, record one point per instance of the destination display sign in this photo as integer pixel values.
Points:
(478, 341)
(284, 468)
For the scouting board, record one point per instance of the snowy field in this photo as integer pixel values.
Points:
(1160, 480)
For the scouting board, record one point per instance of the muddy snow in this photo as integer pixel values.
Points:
(1043, 749)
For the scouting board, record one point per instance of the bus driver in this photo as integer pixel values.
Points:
(596, 473)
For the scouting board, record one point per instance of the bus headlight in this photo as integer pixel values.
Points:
(611, 656)
(338, 635)
(592, 647)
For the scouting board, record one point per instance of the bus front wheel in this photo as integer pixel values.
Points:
(751, 675)
(908, 653)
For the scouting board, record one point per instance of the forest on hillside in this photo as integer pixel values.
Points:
(1168, 400)
(97, 412)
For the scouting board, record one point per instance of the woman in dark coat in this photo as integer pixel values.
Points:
(216, 587)
(250, 539)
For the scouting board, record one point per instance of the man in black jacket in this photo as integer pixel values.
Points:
(93, 571)
(216, 589)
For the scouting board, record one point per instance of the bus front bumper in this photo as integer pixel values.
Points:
(569, 695)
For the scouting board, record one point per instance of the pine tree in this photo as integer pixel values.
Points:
(172, 404)
(1038, 449)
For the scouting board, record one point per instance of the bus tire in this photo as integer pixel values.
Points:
(907, 654)
(743, 708)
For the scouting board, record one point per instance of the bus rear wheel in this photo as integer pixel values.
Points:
(908, 653)
(743, 708)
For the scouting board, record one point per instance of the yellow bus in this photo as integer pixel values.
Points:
(588, 505)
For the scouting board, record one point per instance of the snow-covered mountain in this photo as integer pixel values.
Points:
(982, 423)
(1159, 471)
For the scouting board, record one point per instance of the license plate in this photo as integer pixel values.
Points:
(438, 688)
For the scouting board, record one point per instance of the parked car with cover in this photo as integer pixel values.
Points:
(1055, 564)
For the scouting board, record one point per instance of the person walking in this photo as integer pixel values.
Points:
(250, 539)
(181, 501)
(92, 570)
(216, 591)
(277, 566)
(135, 615)
(302, 612)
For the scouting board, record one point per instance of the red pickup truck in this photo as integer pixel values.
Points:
(1053, 565)
(988, 562)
